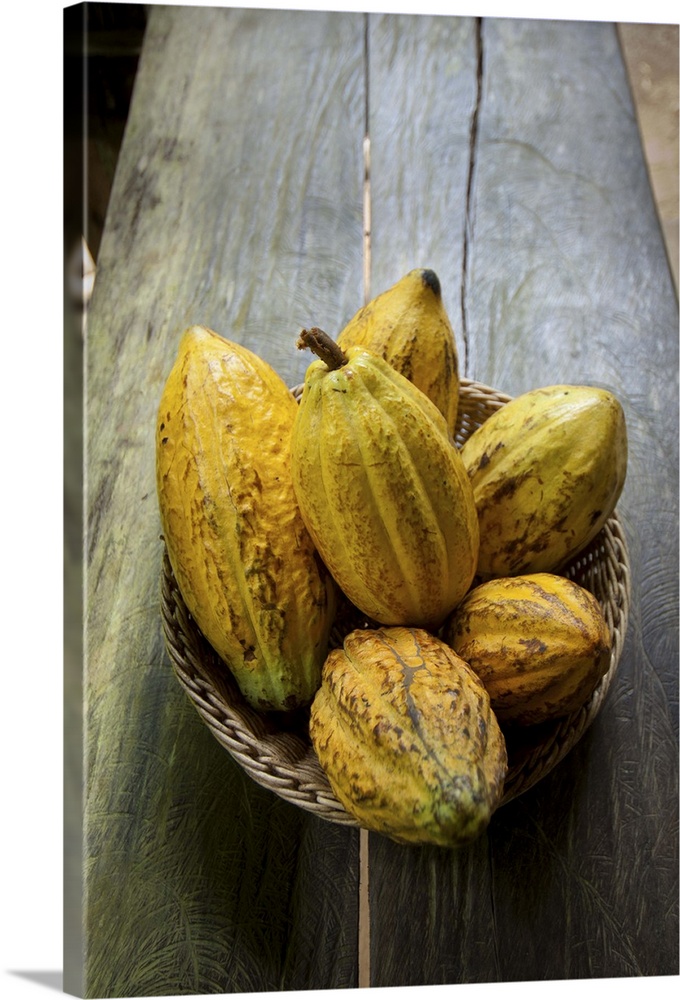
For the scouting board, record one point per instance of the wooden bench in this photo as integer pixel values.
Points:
(505, 155)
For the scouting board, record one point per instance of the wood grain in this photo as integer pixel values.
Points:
(565, 280)
(420, 128)
(237, 203)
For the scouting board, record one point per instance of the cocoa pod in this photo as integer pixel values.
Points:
(242, 557)
(539, 643)
(381, 488)
(408, 326)
(547, 470)
(405, 733)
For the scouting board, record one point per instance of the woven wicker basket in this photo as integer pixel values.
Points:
(275, 750)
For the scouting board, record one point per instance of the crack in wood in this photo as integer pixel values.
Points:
(367, 171)
(474, 120)
(367, 219)
(364, 914)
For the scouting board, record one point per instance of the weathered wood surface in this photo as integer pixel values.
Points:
(504, 155)
(237, 203)
(562, 278)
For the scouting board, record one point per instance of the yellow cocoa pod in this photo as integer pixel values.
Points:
(242, 557)
(381, 487)
(409, 327)
(546, 470)
(539, 643)
(405, 733)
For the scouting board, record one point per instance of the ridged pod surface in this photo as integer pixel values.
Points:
(242, 557)
(383, 491)
(539, 643)
(546, 470)
(405, 733)
(409, 327)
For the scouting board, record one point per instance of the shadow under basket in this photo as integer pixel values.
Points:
(275, 750)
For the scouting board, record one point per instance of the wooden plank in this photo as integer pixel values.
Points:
(565, 279)
(424, 118)
(592, 265)
(237, 203)
(420, 127)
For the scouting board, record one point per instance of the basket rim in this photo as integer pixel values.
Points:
(283, 760)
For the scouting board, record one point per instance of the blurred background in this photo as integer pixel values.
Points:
(650, 52)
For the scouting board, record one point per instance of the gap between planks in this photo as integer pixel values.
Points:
(364, 950)
(364, 926)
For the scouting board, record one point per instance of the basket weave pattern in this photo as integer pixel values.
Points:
(275, 750)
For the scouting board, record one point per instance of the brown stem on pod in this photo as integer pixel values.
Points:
(323, 346)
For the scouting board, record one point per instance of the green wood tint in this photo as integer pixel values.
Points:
(234, 173)
(504, 155)
(566, 280)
